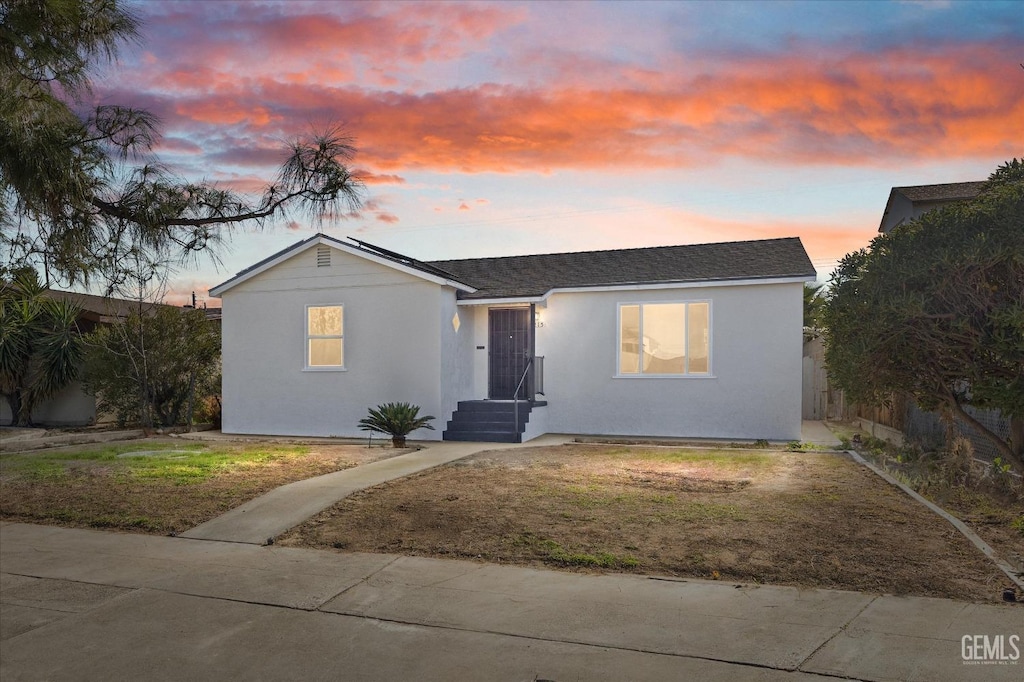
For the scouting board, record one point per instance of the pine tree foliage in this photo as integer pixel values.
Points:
(81, 189)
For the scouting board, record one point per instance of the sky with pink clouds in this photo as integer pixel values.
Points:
(488, 129)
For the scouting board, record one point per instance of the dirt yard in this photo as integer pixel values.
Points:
(155, 485)
(805, 519)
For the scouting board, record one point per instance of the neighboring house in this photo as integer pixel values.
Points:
(907, 203)
(71, 406)
(686, 341)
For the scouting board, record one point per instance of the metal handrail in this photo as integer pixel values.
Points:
(515, 396)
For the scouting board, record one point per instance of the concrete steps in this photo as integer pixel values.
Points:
(489, 421)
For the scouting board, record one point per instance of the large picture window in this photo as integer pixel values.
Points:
(665, 339)
(325, 340)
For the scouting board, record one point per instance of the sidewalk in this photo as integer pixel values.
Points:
(269, 515)
(88, 605)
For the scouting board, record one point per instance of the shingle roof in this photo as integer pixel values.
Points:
(950, 191)
(533, 276)
(100, 307)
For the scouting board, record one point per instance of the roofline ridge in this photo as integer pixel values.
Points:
(943, 184)
(635, 248)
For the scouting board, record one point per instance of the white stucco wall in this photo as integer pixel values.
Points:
(400, 345)
(456, 369)
(755, 387)
(394, 325)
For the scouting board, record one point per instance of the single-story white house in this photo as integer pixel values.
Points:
(689, 341)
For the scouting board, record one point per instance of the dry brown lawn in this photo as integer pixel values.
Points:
(158, 486)
(804, 519)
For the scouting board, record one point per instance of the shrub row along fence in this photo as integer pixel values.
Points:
(822, 401)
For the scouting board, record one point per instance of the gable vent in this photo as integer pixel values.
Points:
(323, 256)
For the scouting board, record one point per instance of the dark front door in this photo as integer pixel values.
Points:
(509, 351)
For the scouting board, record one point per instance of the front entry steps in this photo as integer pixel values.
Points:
(489, 421)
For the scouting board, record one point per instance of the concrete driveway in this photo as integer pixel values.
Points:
(90, 605)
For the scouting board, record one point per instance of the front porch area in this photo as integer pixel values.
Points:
(497, 421)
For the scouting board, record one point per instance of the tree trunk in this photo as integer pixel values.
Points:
(191, 408)
(1005, 451)
(1017, 436)
(21, 409)
(398, 441)
(14, 404)
(144, 415)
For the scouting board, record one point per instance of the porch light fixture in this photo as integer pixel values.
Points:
(455, 322)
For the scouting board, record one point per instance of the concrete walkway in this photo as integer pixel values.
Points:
(90, 605)
(818, 433)
(269, 515)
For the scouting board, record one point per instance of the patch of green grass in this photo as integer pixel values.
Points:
(803, 446)
(182, 464)
(551, 551)
(139, 522)
(41, 470)
(599, 560)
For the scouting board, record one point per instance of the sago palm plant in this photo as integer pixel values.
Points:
(397, 420)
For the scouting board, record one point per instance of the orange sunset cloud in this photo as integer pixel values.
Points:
(905, 103)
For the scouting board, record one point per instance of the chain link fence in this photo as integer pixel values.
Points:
(928, 429)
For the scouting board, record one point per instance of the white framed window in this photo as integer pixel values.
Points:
(325, 337)
(664, 339)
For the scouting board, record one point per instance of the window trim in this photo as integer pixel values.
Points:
(306, 367)
(686, 314)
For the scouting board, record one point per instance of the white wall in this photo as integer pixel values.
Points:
(400, 346)
(457, 348)
(756, 348)
(393, 329)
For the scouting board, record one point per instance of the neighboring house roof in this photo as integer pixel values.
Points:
(100, 308)
(535, 276)
(944, 193)
(950, 191)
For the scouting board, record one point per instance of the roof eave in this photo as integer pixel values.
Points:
(642, 286)
(319, 239)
